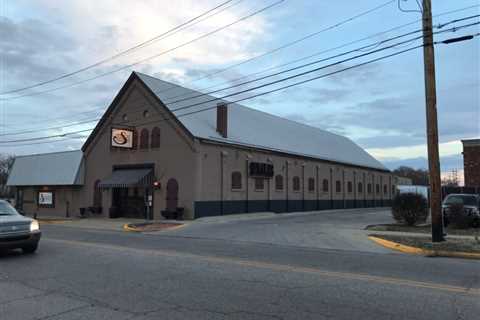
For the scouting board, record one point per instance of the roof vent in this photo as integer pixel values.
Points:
(222, 119)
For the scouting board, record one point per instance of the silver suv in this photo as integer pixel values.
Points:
(17, 231)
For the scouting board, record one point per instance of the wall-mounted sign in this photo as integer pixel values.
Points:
(45, 198)
(122, 138)
(258, 169)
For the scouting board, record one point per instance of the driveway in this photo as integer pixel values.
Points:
(339, 229)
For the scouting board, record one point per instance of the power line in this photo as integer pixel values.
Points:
(250, 97)
(153, 56)
(163, 35)
(283, 79)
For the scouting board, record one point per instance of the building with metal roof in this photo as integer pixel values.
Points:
(161, 148)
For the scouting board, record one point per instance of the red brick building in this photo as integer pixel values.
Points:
(471, 162)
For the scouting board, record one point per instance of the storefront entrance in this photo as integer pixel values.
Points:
(132, 195)
(130, 202)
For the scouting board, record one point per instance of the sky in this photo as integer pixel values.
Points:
(380, 105)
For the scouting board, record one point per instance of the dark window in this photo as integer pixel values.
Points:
(338, 186)
(236, 180)
(377, 188)
(385, 189)
(144, 139)
(393, 190)
(155, 137)
(278, 182)
(311, 184)
(296, 184)
(325, 185)
(360, 187)
(349, 187)
(259, 184)
(369, 188)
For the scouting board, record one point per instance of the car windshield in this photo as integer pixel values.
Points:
(465, 200)
(6, 209)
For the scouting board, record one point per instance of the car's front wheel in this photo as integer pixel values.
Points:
(30, 249)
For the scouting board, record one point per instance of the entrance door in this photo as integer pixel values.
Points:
(172, 195)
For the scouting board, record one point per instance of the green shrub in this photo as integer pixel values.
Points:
(457, 217)
(409, 208)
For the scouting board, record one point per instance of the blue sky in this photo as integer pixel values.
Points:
(380, 106)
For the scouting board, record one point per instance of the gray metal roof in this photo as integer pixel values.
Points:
(48, 169)
(253, 128)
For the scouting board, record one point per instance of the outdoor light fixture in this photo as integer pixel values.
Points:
(156, 185)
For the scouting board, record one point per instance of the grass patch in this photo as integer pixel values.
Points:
(451, 245)
(425, 228)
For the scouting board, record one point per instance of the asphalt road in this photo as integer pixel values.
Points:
(95, 274)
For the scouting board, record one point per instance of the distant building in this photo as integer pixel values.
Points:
(471, 162)
(403, 181)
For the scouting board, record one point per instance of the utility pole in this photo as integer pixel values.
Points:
(432, 127)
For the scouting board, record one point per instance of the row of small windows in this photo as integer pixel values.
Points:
(148, 139)
(296, 185)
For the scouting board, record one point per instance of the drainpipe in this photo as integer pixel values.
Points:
(343, 188)
(354, 189)
(331, 188)
(303, 186)
(317, 188)
(286, 184)
(246, 181)
(223, 154)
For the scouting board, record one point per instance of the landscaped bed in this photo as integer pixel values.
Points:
(424, 228)
(451, 245)
(151, 227)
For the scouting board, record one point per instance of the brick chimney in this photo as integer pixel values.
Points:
(222, 119)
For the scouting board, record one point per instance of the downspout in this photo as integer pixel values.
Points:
(354, 189)
(286, 184)
(303, 186)
(246, 182)
(317, 188)
(343, 188)
(331, 188)
(221, 183)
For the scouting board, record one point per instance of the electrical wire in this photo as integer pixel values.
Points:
(143, 44)
(153, 56)
(275, 74)
(255, 95)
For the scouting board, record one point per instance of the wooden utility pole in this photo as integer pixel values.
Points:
(432, 128)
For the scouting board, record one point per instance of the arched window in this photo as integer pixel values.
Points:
(311, 184)
(155, 143)
(360, 187)
(236, 180)
(97, 194)
(385, 189)
(338, 186)
(369, 188)
(278, 182)
(325, 185)
(377, 188)
(296, 184)
(144, 139)
(349, 187)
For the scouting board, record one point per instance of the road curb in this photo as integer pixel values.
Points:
(419, 251)
(132, 227)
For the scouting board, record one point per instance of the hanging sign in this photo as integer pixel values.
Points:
(122, 138)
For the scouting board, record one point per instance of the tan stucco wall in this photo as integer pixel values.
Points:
(236, 159)
(67, 201)
(174, 159)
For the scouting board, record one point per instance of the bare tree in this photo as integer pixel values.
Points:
(6, 163)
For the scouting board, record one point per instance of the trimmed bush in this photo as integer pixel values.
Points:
(409, 208)
(457, 217)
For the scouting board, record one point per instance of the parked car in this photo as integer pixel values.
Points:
(17, 231)
(470, 202)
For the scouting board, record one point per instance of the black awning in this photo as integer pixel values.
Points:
(125, 178)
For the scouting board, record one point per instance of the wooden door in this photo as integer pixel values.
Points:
(172, 195)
